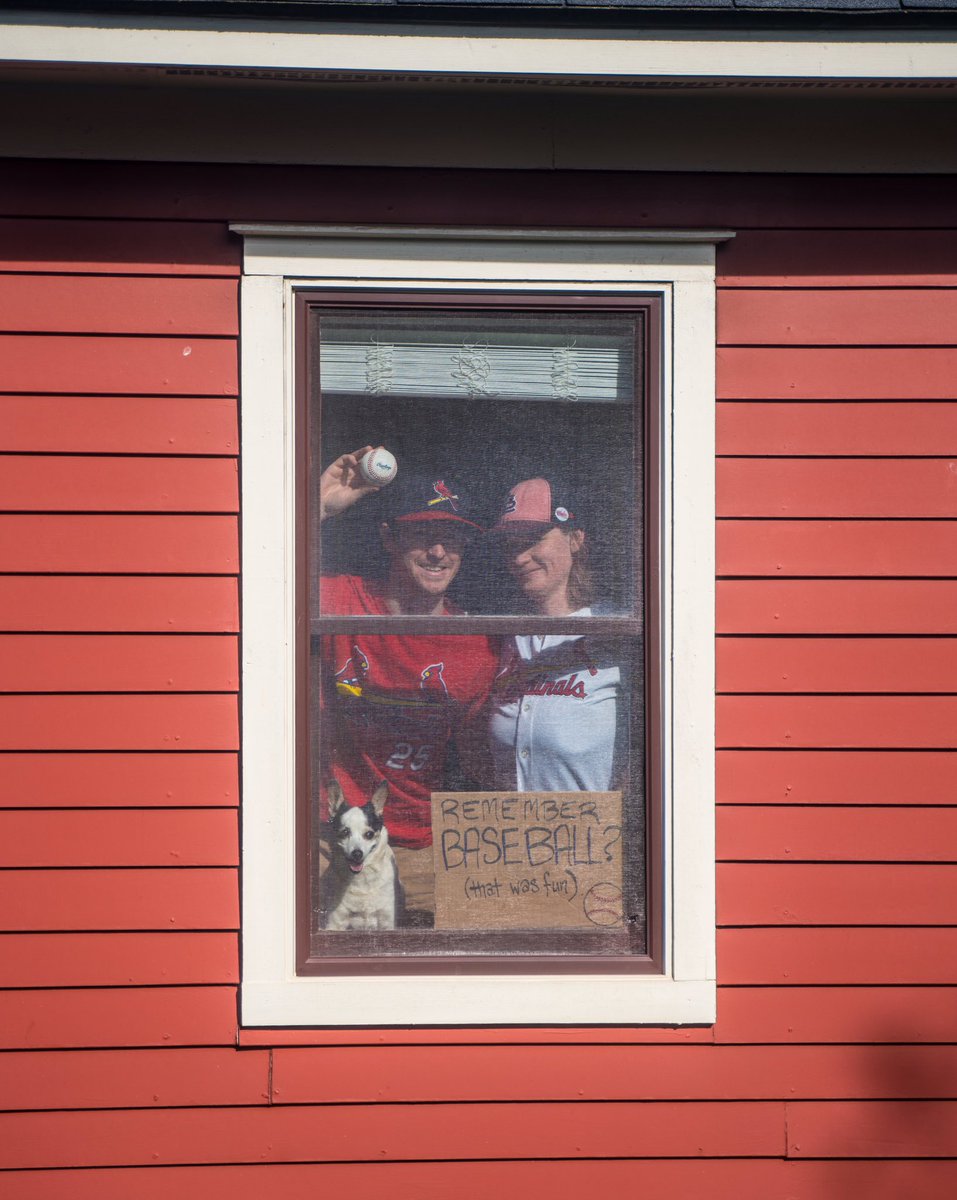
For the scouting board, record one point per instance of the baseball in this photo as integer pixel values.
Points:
(378, 466)
(603, 904)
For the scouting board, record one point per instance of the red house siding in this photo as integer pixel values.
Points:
(831, 1070)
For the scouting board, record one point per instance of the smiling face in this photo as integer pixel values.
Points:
(541, 563)
(424, 558)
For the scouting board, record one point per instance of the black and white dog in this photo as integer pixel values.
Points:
(360, 887)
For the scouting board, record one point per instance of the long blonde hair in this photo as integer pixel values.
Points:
(580, 590)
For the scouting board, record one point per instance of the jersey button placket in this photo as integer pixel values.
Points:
(523, 741)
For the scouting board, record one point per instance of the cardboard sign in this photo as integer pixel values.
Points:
(527, 860)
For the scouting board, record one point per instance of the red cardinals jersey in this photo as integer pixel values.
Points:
(397, 701)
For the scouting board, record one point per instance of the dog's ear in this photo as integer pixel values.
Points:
(379, 797)
(335, 798)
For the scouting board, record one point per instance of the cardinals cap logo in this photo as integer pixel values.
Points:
(443, 494)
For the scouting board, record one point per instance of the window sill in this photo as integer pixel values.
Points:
(480, 1000)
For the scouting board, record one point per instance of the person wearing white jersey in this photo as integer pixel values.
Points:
(558, 720)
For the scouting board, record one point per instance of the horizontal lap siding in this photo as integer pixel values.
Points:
(845, 373)
(110, 544)
(118, 1015)
(838, 722)
(142, 722)
(44, 246)
(837, 606)
(718, 1179)
(107, 365)
(126, 960)
(119, 661)
(880, 549)
(114, 603)
(843, 487)
(292, 1133)
(900, 957)
(118, 838)
(155, 1079)
(815, 428)
(34, 483)
(852, 833)
(175, 425)
(836, 677)
(836, 771)
(126, 304)
(862, 664)
(112, 780)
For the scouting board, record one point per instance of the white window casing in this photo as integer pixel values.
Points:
(679, 268)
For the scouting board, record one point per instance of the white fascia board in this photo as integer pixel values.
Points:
(252, 46)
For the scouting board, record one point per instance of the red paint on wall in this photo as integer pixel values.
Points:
(836, 778)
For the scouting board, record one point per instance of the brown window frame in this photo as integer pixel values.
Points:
(443, 950)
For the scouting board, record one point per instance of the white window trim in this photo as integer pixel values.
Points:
(679, 268)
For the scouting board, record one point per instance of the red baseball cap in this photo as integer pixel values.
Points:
(535, 502)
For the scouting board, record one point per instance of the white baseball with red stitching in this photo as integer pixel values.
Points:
(378, 466)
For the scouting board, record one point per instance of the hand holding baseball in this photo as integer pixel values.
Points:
(378, 466)
(342, 483)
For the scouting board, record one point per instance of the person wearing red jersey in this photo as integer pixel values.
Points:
(401, 701)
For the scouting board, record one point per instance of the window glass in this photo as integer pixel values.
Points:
(475, 774)
(485, 400)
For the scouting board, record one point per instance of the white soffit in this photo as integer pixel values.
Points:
(448, 52)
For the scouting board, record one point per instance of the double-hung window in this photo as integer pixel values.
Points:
(504, 654)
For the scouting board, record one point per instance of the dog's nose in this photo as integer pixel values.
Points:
(356, 856)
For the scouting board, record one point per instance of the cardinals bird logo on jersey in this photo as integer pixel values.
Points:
(350, 676)
(432, 678)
